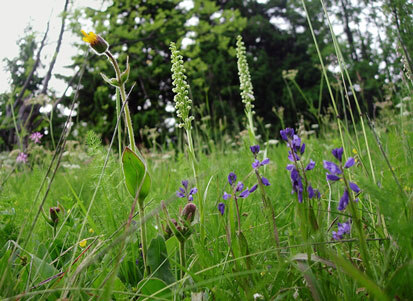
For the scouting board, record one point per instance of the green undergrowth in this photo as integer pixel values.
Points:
(45, 265)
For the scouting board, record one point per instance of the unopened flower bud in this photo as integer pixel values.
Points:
(54, 215)
(189, 212)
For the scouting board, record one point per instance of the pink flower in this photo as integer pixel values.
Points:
(21, 158)
(35, 137)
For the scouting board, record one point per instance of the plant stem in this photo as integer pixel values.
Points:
(128, 121)
(181, 257)
(193, 164)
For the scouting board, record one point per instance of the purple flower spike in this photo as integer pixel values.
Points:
(291, 156)
(265, 181)
(354, 187)
(226, 196)
(184, 192)
(256, 164)
(343, 201)
(310, 165)
(350, 162)
(287, 133)
(332, 177)
(253, 188)
(221, 208)
(344, 227)
(244, 194)
(255, 149)
(338, 153)
(332, 167)
(232, 178)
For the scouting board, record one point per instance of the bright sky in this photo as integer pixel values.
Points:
(17, 14)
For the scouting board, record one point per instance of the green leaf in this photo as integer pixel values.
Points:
(150, 287)
(111, 81)
(134, 170)
(158, 260)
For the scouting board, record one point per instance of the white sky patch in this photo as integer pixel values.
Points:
(15, 17)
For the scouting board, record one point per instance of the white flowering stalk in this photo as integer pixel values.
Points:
(247, 93)
(181, 89)
(183, 111)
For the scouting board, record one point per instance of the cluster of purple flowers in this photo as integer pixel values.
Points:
(335, 173)
(297, 149)
(185, 192)
(343, 228)
(238, 191)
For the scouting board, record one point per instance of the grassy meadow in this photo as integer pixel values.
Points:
(314, 212)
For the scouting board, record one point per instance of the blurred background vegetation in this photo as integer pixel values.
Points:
(375, 36)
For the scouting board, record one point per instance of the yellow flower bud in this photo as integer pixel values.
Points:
(98, 44)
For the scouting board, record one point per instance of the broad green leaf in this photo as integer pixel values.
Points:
(150, 287)
(134, 170)
(158, 260)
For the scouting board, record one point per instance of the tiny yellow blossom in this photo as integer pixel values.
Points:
(354, 151)
(91, 231)
(83, 243)
(98, 44)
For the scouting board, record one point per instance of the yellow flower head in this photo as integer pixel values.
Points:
(91, 231)
(83, 243)
(98, 44)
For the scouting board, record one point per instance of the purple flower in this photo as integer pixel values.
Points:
(343, 228)
(343, 201)
(349, 163)
(255, 149)
(310, 165)
(354, 187)
(232, 178)
(287, 133)
(302, 149)
(256, 164)
(291, 157)
(338, 153)
(332, 177)
(332, 167)
(183, 191)
(244, 194)
(35, 137)
(253, 188)
(226, 196)
(310, 191)
(265, 181)
(239, 186)
(21, 158)
(221, 208)
(296, 142)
